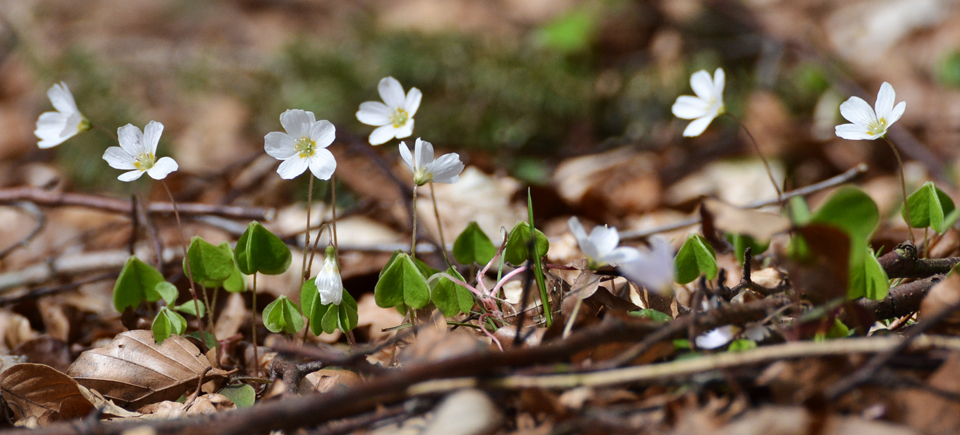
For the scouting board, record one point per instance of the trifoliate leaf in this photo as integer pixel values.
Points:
(742, 242)
(137, 283)
(347, 313)
(210, 264)
(282, 315)
(930, 207)
(516, 251)
(167, 323)
(473, 246)
(259, 250)
(237, 281)
(163, 290)
(242, 395)
(188, 307)
(650, 313)
(401, 282)
(696, 257)
(445, 295)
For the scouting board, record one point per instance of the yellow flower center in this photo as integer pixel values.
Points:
(144, 161)
(399, 118)
(306, 147)
(879, 127)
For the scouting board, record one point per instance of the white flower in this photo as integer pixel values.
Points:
(445, 169)
(395, 118)
(601, 245)
(653, 268)
(867, 123)
(55, 127)
(708, 103)
(328, 280)
(716, 338)
(137, 153)
(302, 146)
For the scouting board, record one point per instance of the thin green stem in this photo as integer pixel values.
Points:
(413, 236)
(333, 209)
(436, 213)
(306, 242)
(763, 158)
(256, 357)
(903, 189)
(193, 286)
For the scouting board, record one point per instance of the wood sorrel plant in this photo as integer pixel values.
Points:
(869, 124)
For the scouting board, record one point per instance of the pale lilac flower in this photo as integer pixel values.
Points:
(137, 153)
(445, 169)
(53, 128)
(393, 117)
(328, 281)
(600, 246)
(302, 146)
(867, 124)
(707, 105)
(652, 268)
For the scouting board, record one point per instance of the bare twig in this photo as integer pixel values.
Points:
(849, 175)
(117, 205)
(38, 216)
(903, 262)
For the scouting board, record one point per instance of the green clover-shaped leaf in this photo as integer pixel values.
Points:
(210, 264)
(282, 315)
(516, 251)
(140, 282)
(473, 246)
(696, 257)
(930, 207)
(259, 250)
(167, 323)
(401, 282)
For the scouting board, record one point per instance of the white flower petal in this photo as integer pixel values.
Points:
(406, 156)
(322, 164)
(605, 239)
(854, 132)
(279, 145)
(329, 284)
(71, 126)
(381, 135)
(391, 92)
(579, 233)
(151, 136)
(130, 176)
(405, 130)
(374, 113)
(50, 125)
(62, 99)
(162, 168)
(412, 102)
(654, 268)
(446, 169)
(719, 81)
(698, 126)
(896, 113)
(323, 133)
(623, 254)
(118, 158)
(715, 338)
(885, 99)
(688, 107)
(130, 138)
(292, 167)
(858, 112)
(423, 153)
(702, 85)
(297, 122)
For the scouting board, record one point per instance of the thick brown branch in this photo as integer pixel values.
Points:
(902, 262)
(901, 300)
(48, 198)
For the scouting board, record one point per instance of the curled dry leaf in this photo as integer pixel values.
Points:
(326, 380)
(134, 370)
(36, 390)
(945, 295)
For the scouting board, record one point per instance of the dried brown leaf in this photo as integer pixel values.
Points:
(757, 224)
(325, 380)
(36, 390)
(134, 370)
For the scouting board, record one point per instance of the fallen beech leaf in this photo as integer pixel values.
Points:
(40, 391)
(735, 220)
(943, 296)
(134, 370)
(231, 317)
(325, 380)
(106, 406)
(930, 412)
